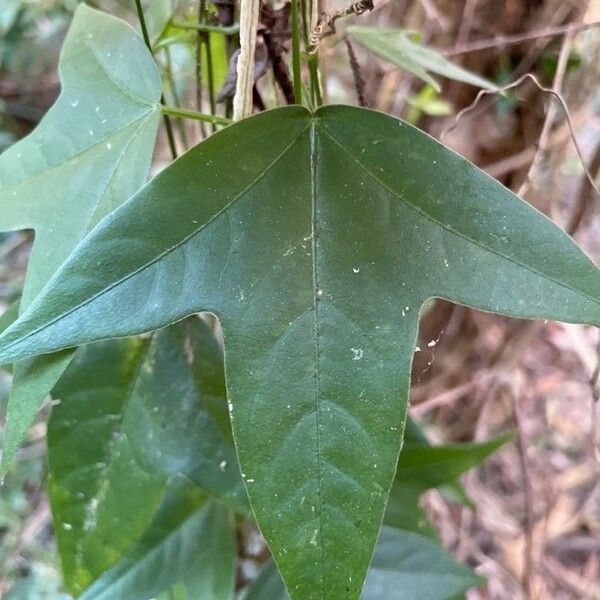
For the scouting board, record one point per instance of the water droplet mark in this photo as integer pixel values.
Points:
(357, 353)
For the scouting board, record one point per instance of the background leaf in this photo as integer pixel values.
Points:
(89, 153)
(322, 271)
(132, 413)
(407, 565)
(190, 542)
(422, 466)
(395, 46)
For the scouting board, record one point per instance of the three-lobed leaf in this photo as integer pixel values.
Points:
(315, 239)
(89, 153)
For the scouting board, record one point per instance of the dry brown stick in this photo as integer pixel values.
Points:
(519, 38)
(447, 397)
(280, 69)
(510, 163)
(557, 86)
(516, 84)
(275, 49)
(584, 195)
(528, 562)
(433, 12)
(594, 386)
(359, 82)
(326, 24)
(466, 22)
(199, 41)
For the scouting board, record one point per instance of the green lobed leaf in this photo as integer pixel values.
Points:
(422, 466)
(315, 239)
(190, 542)
(433, 466)
(407, 565)
(133, 412)
(395, 46)
(89, 153)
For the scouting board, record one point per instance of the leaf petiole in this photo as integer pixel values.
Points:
(181, 113)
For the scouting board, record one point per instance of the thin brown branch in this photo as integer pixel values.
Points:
(519, 38)
(528, 557)
(275, 50)
(326, 24)
(595, 387)
(557, 86)
(359, 81)
(584, 195)
(516, 84)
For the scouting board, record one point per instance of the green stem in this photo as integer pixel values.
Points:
(315, 84)
(175, 95)
(204, 36)
(170, 136)
(140, 11)
(232, 30)
(182, 113)
(210, 76)
(313, 61)
(296, 66)
(305, 20)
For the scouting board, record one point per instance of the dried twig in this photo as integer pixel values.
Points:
(242, 101)
(516, 84)
(519, 38)
(557, 86)
(274, 23)
(359, 82)
(326, 24)
(584, 195)
(595, 387)
(528, 557)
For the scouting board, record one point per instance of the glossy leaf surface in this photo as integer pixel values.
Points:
(133, 412)
(316, 252)
(89, 153)
(190, 542)
(395, 46)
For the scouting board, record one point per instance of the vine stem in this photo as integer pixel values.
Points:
(204, 41)
(296, 66)
(204, 27)
(242, 101)
(169, 129)
(182, 113)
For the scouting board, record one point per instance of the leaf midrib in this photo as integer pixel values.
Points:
(317, 383)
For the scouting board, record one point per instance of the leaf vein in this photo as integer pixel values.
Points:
(452, 230)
